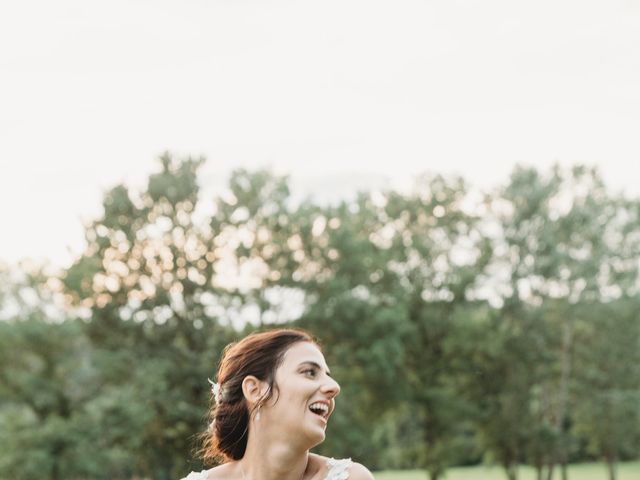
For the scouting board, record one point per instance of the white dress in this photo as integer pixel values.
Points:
(337, 469)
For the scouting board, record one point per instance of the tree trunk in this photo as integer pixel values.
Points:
(512, 471)
(550, 471)
(611, 468)
(556, 400)
(559, 456)
(564, 469)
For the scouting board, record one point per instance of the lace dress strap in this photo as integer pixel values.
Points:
(338, 469)
(196, 476)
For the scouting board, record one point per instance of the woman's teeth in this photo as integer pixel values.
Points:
(319, 408)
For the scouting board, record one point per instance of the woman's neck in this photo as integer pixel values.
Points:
(270, 459)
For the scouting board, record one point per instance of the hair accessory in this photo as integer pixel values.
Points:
(216, 389)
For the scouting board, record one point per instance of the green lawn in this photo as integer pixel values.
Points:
(584, 471)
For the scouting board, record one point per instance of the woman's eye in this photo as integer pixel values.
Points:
(310, 372)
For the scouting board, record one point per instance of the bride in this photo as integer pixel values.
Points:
(270, 406)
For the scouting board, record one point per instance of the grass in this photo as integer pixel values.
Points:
(583, 471)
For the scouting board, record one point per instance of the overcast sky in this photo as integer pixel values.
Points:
(338, 94)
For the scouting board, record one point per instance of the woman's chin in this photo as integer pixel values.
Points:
(316, 432)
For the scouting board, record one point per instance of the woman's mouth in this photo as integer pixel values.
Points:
(321, 409)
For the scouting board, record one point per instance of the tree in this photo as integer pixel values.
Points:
(561, 237)
(390, 267)
(148, 281)
(502, 358)
(607, 390)
(46, 383)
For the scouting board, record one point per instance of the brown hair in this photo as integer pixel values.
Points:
(258, 354)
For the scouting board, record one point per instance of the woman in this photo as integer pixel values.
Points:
(270, 406)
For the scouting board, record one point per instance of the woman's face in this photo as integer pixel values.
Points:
(306, 394)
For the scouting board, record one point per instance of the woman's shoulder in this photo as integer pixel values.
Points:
(357, 471)
(340, 469)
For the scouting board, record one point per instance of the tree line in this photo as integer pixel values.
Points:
(463, 326)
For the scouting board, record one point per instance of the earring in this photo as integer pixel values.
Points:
(258, 414)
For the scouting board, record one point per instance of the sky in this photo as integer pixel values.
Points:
(340, 95)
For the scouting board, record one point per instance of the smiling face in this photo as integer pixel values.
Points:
(306, 394)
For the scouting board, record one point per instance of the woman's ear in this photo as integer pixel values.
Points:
(253, 389)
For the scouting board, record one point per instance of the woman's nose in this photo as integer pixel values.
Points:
(331, 387)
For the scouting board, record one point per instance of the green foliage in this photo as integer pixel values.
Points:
(608, 379)
(46, 383)
(147, 277)
(501, 328)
